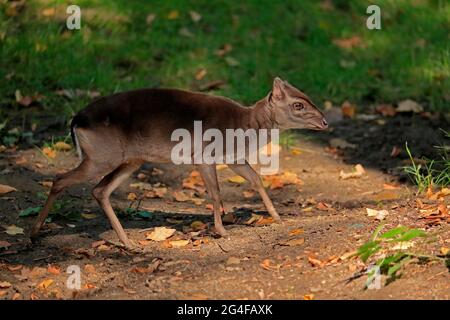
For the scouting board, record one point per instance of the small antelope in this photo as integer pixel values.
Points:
(115, 135)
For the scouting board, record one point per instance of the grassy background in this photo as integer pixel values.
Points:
(117, 50)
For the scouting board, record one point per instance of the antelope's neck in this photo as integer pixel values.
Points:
(260, 116)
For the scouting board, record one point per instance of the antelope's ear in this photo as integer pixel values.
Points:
(278, 89)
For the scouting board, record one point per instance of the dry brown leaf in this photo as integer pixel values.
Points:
(45, 284)
(386, 110)
(156, 192)
(178, 243)
(132, 196)
(200, 74)
(296, 232)
(248, 194)
(295, 242)
(62, 146)
(389, 186)
(236, 179)
(324, 206)
(53, 269)
(14, 230)
(174, 14)
(348, 110)
(357, 173)
(264, 221)
(280, 180)
(308, 296)
(226, 48)
(49, 152)
(89, 268)
(5, 285)
(198, 225)
(6, 189)
(195, 16)
(315, 262)
(348, 43)
(253, 218)
(160, 234)
(378, 214)
(395, 151)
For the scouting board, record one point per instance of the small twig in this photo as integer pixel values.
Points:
(226, 251)
(43, 258)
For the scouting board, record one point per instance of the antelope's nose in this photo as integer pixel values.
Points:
(324, 123)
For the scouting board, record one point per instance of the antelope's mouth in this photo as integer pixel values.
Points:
(321, 124)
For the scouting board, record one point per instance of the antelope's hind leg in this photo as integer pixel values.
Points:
(104, 189)
(209, 175)
(87, 170)
(247, 172)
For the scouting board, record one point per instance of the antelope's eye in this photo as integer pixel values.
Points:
(298, 106)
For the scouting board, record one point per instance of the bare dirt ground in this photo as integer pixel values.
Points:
(307, 256)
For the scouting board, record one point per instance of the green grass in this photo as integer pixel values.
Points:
(433, 172)
(116, 50)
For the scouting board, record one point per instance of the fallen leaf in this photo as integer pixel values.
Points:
(160, 234)
(132, 196)
(315, 262)
(409, 106)
(395, 151)
(174, 14)
(386, 110)
(201, 73)
(248, 194)
(233, 261)
(226, 48)
(49, 152)
(185, 32)
(388, 186)
(45, 284)
(348, 110)
(89, 268)
(322, 206)
(198, 225)
(89, 216)
(232, 62)
(14, 230)
(178, 243)
(308, 296)
(6, 189)
(142, 186)
(150, 18)
(5, 285)
(98, 243)
(280, 180)
(62, 146)
(53, 269)
(403, 245)
(3, 293)
(378, 214)
(295, 242)
(264, 221)
(348, 43)
(16, 296)
(180, 196)
(156, 192)
(296, 232)
(253, 218)
(385, 195)
(236, 179)
(48, 12)
(47, 184)
(357, 173)
(195, 16)
(34, 296)
(445, 251)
